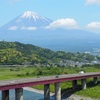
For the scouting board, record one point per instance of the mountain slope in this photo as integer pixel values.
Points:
(27, 21)
(18, 53)
(12, 53)
(30, 28)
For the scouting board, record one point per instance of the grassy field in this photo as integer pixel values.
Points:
(25, 72)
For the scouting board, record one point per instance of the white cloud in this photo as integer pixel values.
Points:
(13, 28)
(67, 23)
(94, 26)
(22, 28)
(89, 2)
(28, 28)
(31, 28)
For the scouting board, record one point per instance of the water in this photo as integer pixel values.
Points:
(28, 95)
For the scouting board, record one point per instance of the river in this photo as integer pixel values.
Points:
(28, 95)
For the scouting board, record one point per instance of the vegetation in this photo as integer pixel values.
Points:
(12, 53)
(27, 72)
(15, 53)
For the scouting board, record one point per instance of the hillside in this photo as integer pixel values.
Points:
(12, 53)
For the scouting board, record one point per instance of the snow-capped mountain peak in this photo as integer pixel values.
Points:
(28, 20)
(30, 14)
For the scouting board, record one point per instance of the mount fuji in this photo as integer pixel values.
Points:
(27, 21)
(30, 27)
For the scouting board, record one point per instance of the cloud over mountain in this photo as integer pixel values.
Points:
(30, 20)
(13, 28)
(67, 23)
(94, 26)
(28, 28)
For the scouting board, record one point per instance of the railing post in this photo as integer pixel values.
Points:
(19, 94)
(83, 81)
(5, 95)
(95, 80)
(74, 84)
(57, 91)
(46, 91)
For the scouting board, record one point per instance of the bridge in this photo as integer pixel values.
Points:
(18, 84)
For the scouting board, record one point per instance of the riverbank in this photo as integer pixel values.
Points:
(36, 90)
(65, 96)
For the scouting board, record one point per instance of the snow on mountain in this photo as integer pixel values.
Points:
(30, 27)
(34, 15)
(29, 20)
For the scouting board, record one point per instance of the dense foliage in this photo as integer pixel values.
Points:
(12, 53)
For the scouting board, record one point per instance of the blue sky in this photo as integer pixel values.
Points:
(82, 14)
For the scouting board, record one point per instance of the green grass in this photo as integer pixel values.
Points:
(93, 92)
(28, 72)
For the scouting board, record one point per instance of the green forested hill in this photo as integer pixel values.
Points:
(18, 53)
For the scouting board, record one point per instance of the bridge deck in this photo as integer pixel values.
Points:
(18, 83)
